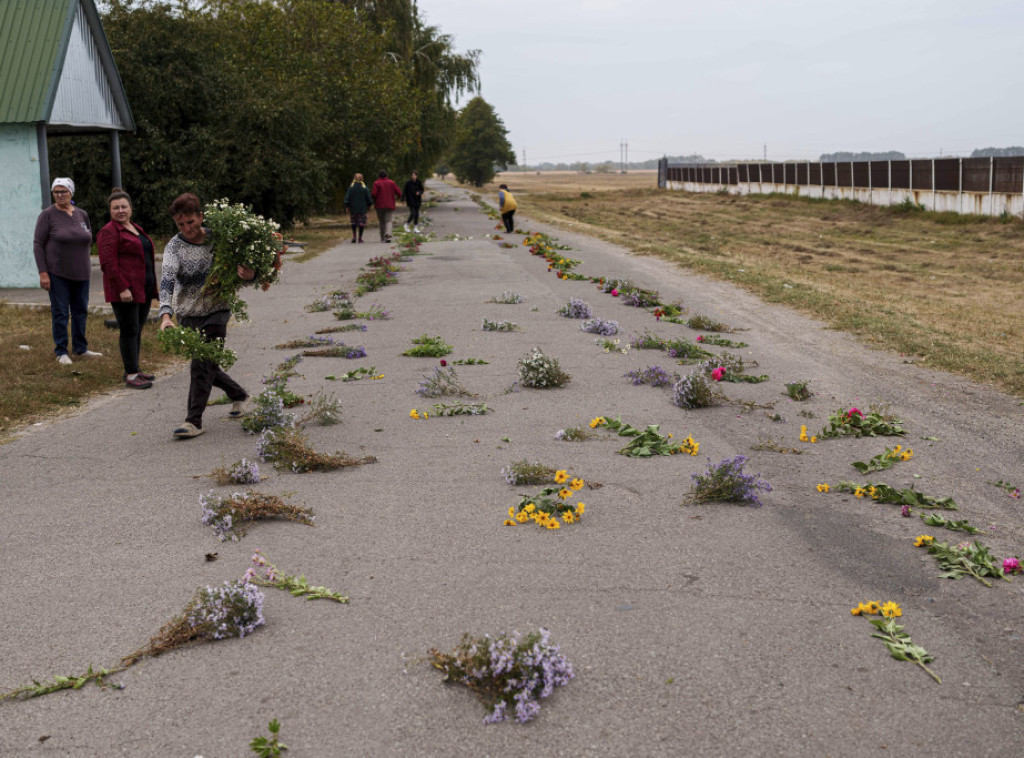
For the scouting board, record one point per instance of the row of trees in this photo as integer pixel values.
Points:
(276, 103)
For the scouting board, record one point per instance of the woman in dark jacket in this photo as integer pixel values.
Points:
(357, 203)
(129, 281)
(413, 193)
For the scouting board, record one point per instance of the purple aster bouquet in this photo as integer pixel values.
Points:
(725, 482)
(510, 673)
(214, 613)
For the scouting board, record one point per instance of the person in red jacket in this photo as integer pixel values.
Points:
(385, 193)
(129, 282)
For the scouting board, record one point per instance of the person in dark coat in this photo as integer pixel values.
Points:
(413, 193)
(129, 282)
(358, 203)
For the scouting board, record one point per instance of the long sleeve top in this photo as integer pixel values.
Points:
(61, 243)
(183, 278)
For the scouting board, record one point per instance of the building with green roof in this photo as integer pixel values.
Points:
(57, 76)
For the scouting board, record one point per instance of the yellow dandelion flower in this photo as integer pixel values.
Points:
(859, 492)
(522, 517)
(426, 415)
(804, 437)
(565, 494)
(890, 610)
(873, 607)
(599, 421)
(414, 413)
(814, 439)
(577, 484)
(823, 487)
(509, 522)
(906, 455)
(552, 524)
(858, 610)
(530, 508)
(568, 517)
(579, 508)
(511, 512)
(923, 539)
(561, 476)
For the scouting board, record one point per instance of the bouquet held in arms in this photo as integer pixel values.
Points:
(240, 238)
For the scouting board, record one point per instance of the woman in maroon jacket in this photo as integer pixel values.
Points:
(129, 281)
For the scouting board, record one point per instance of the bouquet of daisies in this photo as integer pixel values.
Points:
(240, 238)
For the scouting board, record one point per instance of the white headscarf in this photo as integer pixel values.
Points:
(63, 181)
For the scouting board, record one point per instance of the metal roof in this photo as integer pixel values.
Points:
(56, 67)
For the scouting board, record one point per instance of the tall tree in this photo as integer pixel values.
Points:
(480, 144)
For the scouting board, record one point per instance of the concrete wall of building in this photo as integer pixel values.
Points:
(20, 203)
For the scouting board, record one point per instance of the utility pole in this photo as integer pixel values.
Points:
(627, 158)
(524, 159)
(765, 152)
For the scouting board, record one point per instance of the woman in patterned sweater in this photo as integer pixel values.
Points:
(186, 266)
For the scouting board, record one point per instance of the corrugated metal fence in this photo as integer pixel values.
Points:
(988, 186)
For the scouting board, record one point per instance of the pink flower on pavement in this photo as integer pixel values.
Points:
(443, 363)
(615, 293)
(905, 511)
(1012, 566)
(853, 412)
(718, 373)
(700, 338)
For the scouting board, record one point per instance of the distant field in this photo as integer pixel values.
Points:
(943, 289)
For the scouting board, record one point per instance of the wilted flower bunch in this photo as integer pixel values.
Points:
(507, 298)
(655, 376)
(575, 308)
(245, 472)
(551, 503)
(725, 482)
(695, 391)
(510, 673)
(600, 326)
(524, 472)
(540, 371)
(443, 382)
(267, 411)
(228, 515)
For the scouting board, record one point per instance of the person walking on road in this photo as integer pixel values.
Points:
(186, 266)
(61, 245)
(129, 282)
(357, 203)
(385, 193)
(507, 206)
(413, 192)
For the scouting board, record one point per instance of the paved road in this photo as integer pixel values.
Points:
(699, 630)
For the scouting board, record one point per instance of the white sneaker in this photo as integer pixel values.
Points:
(406, 227)
(64, 360)
(417, 230)
(90, 354)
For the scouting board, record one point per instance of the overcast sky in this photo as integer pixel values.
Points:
(573, 78)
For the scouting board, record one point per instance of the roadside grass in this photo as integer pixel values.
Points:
(35, 385)
(320, 234)
(942, 289)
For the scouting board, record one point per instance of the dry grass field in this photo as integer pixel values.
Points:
(942, 289)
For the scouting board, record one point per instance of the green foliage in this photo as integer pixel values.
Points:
(192, 344)
(798, 391)
(901, 646)
(269, 748)
(480, 143)
(428, 347)
(957, 561)
(883, 493)
(854, 423)
(934, 519)
(269, 103)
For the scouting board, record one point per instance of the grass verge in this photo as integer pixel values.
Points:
(35, 385)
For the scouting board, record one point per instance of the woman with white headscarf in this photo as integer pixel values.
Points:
(61, 246)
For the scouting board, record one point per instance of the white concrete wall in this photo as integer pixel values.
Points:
(20, 203)
(980, 203)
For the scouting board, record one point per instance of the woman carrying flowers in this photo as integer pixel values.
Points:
(188, 258)
(357, 203)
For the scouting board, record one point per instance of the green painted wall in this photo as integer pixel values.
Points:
(19, 204)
